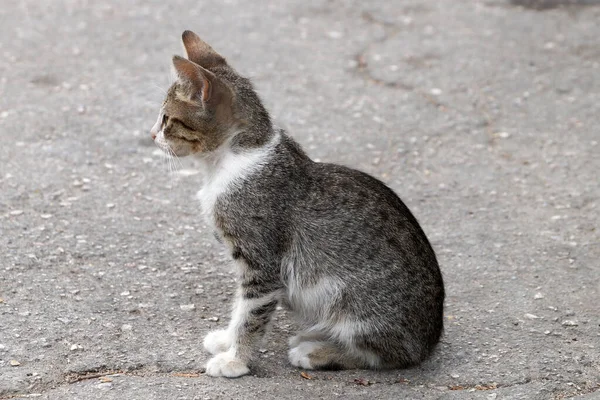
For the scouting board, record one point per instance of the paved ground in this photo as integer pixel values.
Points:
(483, 115)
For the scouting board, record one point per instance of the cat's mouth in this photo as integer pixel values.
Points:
(177, 147)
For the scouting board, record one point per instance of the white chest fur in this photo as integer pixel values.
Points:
(226, 169)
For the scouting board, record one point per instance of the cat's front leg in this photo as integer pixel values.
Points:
(234, 346)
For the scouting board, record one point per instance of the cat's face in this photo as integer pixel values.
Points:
(198, 114)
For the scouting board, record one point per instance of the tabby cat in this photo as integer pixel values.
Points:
(334, 245)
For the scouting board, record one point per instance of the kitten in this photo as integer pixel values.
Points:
(334, 245)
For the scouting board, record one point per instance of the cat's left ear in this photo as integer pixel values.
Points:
(201, 80)
(200, 52)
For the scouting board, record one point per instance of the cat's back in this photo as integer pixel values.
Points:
(351, 200)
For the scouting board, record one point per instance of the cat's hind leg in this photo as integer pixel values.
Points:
(337, 346)
(306, 336)
(323, 355)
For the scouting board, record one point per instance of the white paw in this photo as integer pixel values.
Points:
(218, 341)
(227, 365)
(294, 341)
(299, 355)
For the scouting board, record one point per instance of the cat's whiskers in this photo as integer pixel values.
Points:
(159, 88)
(174, 162)
(169, 159)
(165, 156)
(166, 153)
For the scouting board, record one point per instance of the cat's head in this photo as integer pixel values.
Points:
(206, 106)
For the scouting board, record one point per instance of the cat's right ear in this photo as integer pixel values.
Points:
(199, 79)
(200, 52)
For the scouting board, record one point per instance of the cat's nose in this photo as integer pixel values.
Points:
(153, 132)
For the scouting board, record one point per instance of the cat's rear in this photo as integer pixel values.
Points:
(385, 296)
(333, 244)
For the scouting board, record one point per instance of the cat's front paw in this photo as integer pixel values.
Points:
(227, 365)
(218, 341)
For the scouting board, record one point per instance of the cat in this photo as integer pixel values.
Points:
(334, 245)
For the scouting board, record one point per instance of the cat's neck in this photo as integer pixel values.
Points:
(244, 150)
(225, 169)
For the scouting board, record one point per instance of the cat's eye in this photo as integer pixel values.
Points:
(165, 118)
(184, 124)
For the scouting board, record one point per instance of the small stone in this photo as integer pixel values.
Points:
(2, 347)
(16, 212)
(454, 376)
(570, 322)
(45, 216)
(110, 205)
(126, 327)
(125, 293)
(538, 296)
(105, 385)
(187, 307)
(213, 319)
(436, 91)
(14, 363)
(531, 316)
(547, 332)
(569, 313)
(76, 347)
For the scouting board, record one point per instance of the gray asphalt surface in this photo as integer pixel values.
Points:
(483, 116)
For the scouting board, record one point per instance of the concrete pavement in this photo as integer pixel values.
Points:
(483, 116)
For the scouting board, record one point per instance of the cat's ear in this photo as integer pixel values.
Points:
(200, 79)
(200, 52)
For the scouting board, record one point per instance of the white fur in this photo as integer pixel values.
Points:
(227, 365)
(312, 303)
(243, 307)
(345, 331)
(299, 355)
(223, 340)
(225, 169)
(157, 125)
(218, 341)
